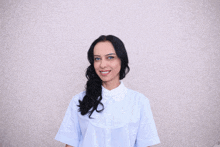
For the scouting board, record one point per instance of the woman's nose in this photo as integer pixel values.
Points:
(103, 64)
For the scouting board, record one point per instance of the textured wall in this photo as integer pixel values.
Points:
(174, 53)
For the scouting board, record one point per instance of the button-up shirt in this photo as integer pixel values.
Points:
(126, 121)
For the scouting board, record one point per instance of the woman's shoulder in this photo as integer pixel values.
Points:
(137, 95)
(78, 97)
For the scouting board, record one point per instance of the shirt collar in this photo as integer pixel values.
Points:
(117, 93)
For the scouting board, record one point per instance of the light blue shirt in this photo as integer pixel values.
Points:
(126, 121)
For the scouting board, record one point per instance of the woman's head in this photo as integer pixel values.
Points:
(108, 53)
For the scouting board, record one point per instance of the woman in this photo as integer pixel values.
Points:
(107, 114)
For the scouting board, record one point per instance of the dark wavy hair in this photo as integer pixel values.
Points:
(93, 86)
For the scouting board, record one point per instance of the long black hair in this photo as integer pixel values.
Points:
(93, 86)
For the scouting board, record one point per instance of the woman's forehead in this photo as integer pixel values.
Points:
(103, 48)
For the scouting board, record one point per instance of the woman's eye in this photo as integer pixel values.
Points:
(110, 57)
(97, 58)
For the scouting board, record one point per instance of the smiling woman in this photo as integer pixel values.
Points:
(107, 65)
(107, 114)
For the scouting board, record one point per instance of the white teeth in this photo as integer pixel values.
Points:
(105, 72)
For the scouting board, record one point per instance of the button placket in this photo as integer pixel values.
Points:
(108, 124)
(110, 97)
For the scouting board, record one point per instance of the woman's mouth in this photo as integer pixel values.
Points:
(104, 73)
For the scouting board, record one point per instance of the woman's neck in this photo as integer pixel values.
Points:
(110, 85)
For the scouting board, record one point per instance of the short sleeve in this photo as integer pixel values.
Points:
(69, 132)
(147, 132)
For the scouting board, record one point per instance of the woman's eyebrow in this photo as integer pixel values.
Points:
(110, 54)
(106, 55)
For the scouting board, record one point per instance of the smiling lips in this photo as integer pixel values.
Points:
(105, 72)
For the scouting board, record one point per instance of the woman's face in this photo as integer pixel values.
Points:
(106, 62)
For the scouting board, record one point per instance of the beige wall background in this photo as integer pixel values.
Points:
(174, 54)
